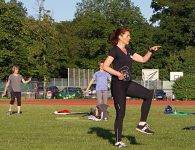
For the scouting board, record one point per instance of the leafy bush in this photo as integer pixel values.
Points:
(184, 88)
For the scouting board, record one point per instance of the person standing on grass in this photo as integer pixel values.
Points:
(14, 81)
(101, 77)
(122, 85)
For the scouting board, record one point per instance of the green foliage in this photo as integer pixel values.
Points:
(116, 12)
(184, 87)
(43, 48)
(176, 28)
(95, 20)
(174, 31)
(92, 30)
(12, 37)
(182, 61)
(69, 44)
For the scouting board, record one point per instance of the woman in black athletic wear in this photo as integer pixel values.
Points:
(122, 85)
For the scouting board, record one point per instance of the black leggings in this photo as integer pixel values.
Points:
(16, 95)
(121, 89)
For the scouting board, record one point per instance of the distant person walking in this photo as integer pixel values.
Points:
(122, 85)
(14, 81)
(101, 77)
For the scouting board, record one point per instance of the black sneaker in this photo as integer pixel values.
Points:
(120, 144)
(144, 129)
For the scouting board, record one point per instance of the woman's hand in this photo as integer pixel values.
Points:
(85, 92)
(121, 76)
(4, 93)
(154, 48)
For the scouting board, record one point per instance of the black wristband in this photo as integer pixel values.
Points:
(152, 51)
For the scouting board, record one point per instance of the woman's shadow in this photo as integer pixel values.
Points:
(108, 135)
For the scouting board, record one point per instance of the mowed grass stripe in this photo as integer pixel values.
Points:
(38, 129)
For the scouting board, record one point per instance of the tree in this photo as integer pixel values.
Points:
(12, 37)
(182, 61)
(92, 30)
(184, 87)
(174, 31)
(43, 46)
(176, 28)
(117, 12)
(69, 44)
(96, 19)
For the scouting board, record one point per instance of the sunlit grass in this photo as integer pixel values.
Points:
(38, 129)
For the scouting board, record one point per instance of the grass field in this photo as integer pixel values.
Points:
(38, 129)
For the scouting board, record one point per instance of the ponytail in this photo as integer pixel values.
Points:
(114, 38)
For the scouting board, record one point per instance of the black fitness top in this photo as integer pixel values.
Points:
(122, 62)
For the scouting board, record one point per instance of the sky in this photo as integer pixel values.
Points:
(64, 10)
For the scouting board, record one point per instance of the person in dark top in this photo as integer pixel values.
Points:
(122, 85)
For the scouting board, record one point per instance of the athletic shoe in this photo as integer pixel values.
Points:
(9, 112)
(105, 119)
(19, 113)
(144, 129)
(91, 117)
(120, 144)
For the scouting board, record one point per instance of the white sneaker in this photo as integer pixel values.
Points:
(91, 117)
(120, 144)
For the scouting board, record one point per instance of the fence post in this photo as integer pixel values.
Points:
(88, 76)
(84, 78)
(79, 78)
(68, 76)
(74, 76)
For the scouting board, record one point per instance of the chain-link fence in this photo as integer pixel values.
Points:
(80, 78)
(151, 84)
(166, 86)
(58, 82)
(34, 89)
(27, 90)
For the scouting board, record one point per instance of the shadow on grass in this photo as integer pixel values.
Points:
(132, 140)
(108, 135)
(15, 112)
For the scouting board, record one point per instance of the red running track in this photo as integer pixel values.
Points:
(94, 102)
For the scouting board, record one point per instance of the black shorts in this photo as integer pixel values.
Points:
(16, 95)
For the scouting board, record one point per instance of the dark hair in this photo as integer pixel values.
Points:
(99, 62)
(116, 33)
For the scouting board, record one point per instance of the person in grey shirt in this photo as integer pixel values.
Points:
(14, 81)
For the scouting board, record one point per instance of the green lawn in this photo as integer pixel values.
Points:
(38, 129)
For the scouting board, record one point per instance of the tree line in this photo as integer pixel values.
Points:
(44, 48)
